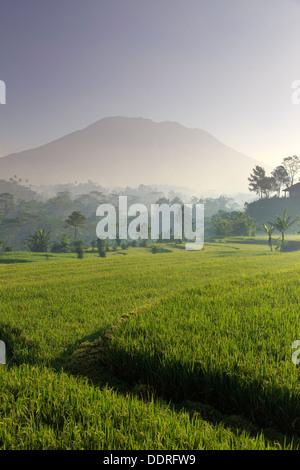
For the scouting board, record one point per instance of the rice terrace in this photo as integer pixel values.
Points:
(173, 350)
(149, 230)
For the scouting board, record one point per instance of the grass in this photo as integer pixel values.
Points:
(46, 410)
(174, 350)
(225, 344)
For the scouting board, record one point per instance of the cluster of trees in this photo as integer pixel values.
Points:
(24, 212)
(240, 224)
(281, 224)
(281, 177)
(233, 224)
(40, 240)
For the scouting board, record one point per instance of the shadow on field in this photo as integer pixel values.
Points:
(237, 240)
(216, 396)
(227, 391)
(289, 246)
(13, 261)
(248, 241)
(20, 348)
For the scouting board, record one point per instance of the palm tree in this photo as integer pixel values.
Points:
(269, 231)
(282, 224)
(39, 241)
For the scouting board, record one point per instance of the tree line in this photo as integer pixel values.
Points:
(240, 224)
(282, 176)
(24, 213)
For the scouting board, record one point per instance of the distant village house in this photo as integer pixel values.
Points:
(293, 191)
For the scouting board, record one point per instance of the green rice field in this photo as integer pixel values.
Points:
(177, 350)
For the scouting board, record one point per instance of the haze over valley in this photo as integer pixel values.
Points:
(121, 151)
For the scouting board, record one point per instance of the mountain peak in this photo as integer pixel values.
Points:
(129, 151)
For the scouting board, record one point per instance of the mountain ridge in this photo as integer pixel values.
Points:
(128, 151)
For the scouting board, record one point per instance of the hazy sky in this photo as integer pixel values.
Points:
(225, 66)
